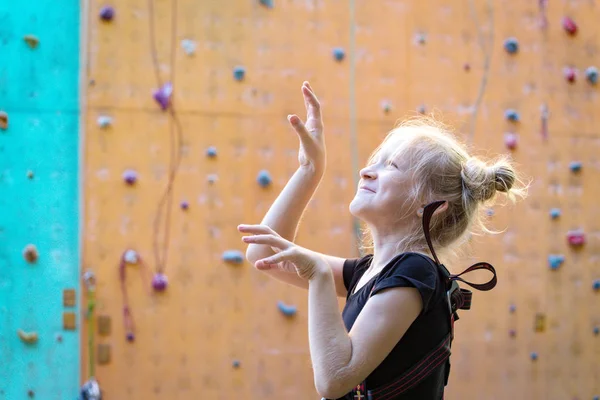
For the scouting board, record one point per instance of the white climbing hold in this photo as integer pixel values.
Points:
(131, 257)
(104, 121)
(189, 46)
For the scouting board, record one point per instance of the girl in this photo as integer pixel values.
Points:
(420, 185)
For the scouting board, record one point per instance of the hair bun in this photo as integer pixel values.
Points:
(482, 181)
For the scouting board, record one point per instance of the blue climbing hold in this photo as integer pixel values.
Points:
(555, 213)
(591, 74)
(211, 152)
(286, 310)
(596, 284)
(511, 115)
(233, 256)
(575, 166)
(239, 72)
(597, 330)
(534, 356)
(511, 45)
(339, 53)
(236, 363)
(267, 3)
(264, 178)
(555, 261)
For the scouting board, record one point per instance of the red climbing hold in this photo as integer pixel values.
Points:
(570, 74)
(510, 140)
(569, 25)
(576, 238)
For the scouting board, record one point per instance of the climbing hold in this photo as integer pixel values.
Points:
(591, 74)
(59, 338)
(555, 213)
(30, 174)
(576, 238)
(27, 337)
(575, 166)
(512, 308)
(184, 205)
(159, 282)
(555, 261)
(211, 152)
(570, 74)
(130, 337)
(511, 115)
(569, 25)
(596, 398)
(90, 390)
(212, 178)
(386, 106)
(421, 109)
(163, 95)
(420, 38)
(131, 257)
(510, 140)
(236, 363)
(264, 178)
(107, 13)
(286, 310)
(467, 67)
(239, 73)
(267, 3)
(596, 284)
(338, 53)
(189, 46)
(30, 253)
(31, 40)
(3, 120)
(89, 279)
(511, 45)
(104, 121)
(596, 330)
(540, 322)
(534, 356)
(233, 256)
(30, 393)
(512, 333)
(130, 177)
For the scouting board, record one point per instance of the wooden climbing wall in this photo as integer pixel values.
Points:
(444, 55)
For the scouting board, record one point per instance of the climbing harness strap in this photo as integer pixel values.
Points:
(457, 298)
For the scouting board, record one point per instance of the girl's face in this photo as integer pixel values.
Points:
(384, 188)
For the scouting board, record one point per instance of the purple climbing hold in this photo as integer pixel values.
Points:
(511, 45)
(512, 308)
(107, 13)
(184, 205)
(591, 74)
(130, 177)
(130, 337)
(163, 95)
(512, 333)
(339, 53)
(421, 109)
(159, 282)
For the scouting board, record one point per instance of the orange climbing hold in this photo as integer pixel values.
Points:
(27, 337)
(31, 40)
(3, 120)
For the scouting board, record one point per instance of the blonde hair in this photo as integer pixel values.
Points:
(443, 169)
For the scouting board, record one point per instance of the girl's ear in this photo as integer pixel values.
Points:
(441, 208)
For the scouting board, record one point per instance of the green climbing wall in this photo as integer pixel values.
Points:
(39, 200)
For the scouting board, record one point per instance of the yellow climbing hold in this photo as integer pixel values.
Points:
(27, 337)
(31, 40)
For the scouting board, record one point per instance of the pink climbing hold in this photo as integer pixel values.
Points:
(163, 95)
(570, 74)
(569, 25)
(576, 238)
(510, 140)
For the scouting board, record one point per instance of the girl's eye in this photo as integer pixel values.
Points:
(393, 164)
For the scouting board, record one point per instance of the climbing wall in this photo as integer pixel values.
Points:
(39, 201)
(163, 246)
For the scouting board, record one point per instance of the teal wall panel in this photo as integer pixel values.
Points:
(39, 89)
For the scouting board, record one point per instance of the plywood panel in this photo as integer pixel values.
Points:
(212, 313)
